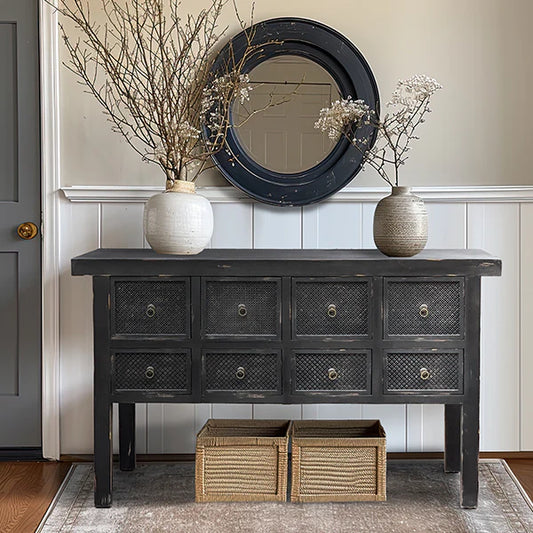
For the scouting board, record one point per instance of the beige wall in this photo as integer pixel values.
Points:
(479, 133)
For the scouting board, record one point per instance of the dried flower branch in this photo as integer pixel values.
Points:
(394, 132)
(151, 71)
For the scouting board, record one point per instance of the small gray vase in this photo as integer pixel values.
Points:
(401, 224)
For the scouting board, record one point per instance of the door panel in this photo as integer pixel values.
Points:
(8, 325)
(8, 116)
(20, 260)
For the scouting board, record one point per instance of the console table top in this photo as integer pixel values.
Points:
(133, 261)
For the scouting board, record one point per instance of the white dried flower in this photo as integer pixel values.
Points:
(186, 131)
(342, 114)
(413, 91)
(393, 133)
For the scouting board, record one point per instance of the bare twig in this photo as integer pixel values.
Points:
(150, 69)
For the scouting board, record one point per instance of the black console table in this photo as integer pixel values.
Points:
(286, 326)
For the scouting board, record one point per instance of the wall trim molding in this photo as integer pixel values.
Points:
(470, 194)
(50, 180)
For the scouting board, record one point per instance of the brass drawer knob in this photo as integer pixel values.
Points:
(241, 373)
(332, 311)
(424, 374)
(27, 231)
(149, 372)
(242, 310)
(150, 310)
(333, 374)
(423, 311)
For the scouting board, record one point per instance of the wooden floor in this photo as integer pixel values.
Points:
(523, 470)
(27, 489)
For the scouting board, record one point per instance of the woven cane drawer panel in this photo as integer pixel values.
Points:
(331, 308)
(152, 371)
(242, 308)
(332, 371)
(151, 307)
(433, 371)
(242, 371)
(433, 308)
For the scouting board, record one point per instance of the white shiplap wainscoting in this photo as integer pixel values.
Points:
(497, 219)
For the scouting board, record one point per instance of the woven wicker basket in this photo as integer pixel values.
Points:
(338, 460)
(242, 460)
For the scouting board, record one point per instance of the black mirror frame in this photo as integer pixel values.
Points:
(347, 66)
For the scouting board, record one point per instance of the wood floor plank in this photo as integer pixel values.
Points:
(523, 470)
(26, 491)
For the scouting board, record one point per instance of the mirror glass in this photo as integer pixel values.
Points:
(276, 125)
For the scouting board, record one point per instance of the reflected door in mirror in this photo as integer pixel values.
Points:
(276, 126)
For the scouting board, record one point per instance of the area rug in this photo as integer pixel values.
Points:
(159, 497)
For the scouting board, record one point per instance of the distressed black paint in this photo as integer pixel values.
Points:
(429, 269)
(346, 65)
(126, 430)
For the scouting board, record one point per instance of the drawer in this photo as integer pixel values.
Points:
(152, 371)
(241, 370)
(242, 307)
(328, 370)
(151, 307)
(432, 371)
(331, 307)
(424, 307)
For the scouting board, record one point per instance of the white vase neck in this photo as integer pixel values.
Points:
(183, 186)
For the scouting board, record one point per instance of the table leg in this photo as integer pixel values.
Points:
(126, 430)
(103, 450)
(103, 406)
(470, 455)
(452, 436)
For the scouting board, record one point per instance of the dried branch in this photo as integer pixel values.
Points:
(150, 68)
(394, 132)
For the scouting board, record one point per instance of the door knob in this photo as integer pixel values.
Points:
(27, 231)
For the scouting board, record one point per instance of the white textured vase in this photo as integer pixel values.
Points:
(401, 224)
(178, 221)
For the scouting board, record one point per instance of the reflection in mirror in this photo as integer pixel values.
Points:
(276, 126)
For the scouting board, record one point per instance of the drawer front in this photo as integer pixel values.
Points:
(424, 371)
(242, 308)
(331, 371)
(158, 307)
(424, 308)
(152, 371)
(331, 308)
(242, 371)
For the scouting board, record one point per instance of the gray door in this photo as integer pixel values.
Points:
(20, 259)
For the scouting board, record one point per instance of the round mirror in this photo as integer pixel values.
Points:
(276, 126)
(272, 151)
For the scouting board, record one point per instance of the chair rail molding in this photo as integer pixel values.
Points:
(50, 224)
(471, 194)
